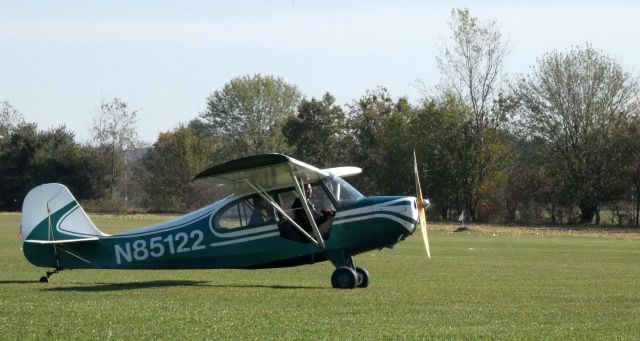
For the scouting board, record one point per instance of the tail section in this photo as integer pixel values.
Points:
(50, 213)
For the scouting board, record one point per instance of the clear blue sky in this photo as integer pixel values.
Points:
(59, 59)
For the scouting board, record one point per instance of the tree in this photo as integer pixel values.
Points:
(16, 157)
(524, 182)
(632, 153)
(444, 150)
(579, 102)
(29, 157)
(394, 174)
(114, 131)
(317, 131)
(366, 118)
(471, 64)
(10, 118)
(249, 113)
(168, 169)
(59, 158)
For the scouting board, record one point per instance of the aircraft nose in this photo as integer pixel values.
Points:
(401, 214)
(397, 219)
(413, 215)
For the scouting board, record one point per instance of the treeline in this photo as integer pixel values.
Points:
(558, 145)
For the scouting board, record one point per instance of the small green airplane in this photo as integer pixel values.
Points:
(270, 220)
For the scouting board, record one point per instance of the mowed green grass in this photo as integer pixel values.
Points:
(491, 283)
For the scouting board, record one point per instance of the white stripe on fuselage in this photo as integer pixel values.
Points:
(242, 240)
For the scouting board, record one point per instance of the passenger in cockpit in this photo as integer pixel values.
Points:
(260, 214)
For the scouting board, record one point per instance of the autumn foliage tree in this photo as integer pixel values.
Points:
(579, 102)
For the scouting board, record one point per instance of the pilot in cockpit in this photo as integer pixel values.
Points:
(300, 215)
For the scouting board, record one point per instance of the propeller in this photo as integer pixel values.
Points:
(422, 215)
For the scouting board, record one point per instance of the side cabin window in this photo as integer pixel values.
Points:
(245, 212)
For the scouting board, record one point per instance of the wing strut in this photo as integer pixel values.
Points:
(307, 210)
(264, 196)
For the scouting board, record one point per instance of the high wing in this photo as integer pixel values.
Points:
(343, 172)
(267, 171)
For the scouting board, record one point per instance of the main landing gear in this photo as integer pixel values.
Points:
(45, 279)
(347, 275)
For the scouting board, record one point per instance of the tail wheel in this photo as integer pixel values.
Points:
(344, 278)
(363, 278)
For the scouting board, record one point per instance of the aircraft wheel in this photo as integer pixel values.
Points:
(344, 278)
(363, 278)
(44, 279)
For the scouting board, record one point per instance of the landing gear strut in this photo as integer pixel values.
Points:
(347, 275)
(45, 279)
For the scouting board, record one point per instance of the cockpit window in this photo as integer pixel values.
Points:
(342, 191)
(246, 212)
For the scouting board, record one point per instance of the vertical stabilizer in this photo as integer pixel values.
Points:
(50, 212)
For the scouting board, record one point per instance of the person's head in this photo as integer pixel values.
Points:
(258, 202)
(308, 190)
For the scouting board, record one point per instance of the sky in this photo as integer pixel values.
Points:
(60, 59)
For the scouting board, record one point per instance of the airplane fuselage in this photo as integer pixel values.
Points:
(195, 241)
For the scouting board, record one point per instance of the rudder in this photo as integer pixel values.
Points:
(51, 213)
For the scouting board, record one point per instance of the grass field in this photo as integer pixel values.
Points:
(490, 283)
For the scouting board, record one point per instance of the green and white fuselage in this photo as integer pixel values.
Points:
(57, 233)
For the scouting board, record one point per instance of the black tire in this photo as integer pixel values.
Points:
(344, 278)
(363, 278)
(44, 279)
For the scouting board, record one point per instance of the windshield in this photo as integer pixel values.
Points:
(342, 191)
